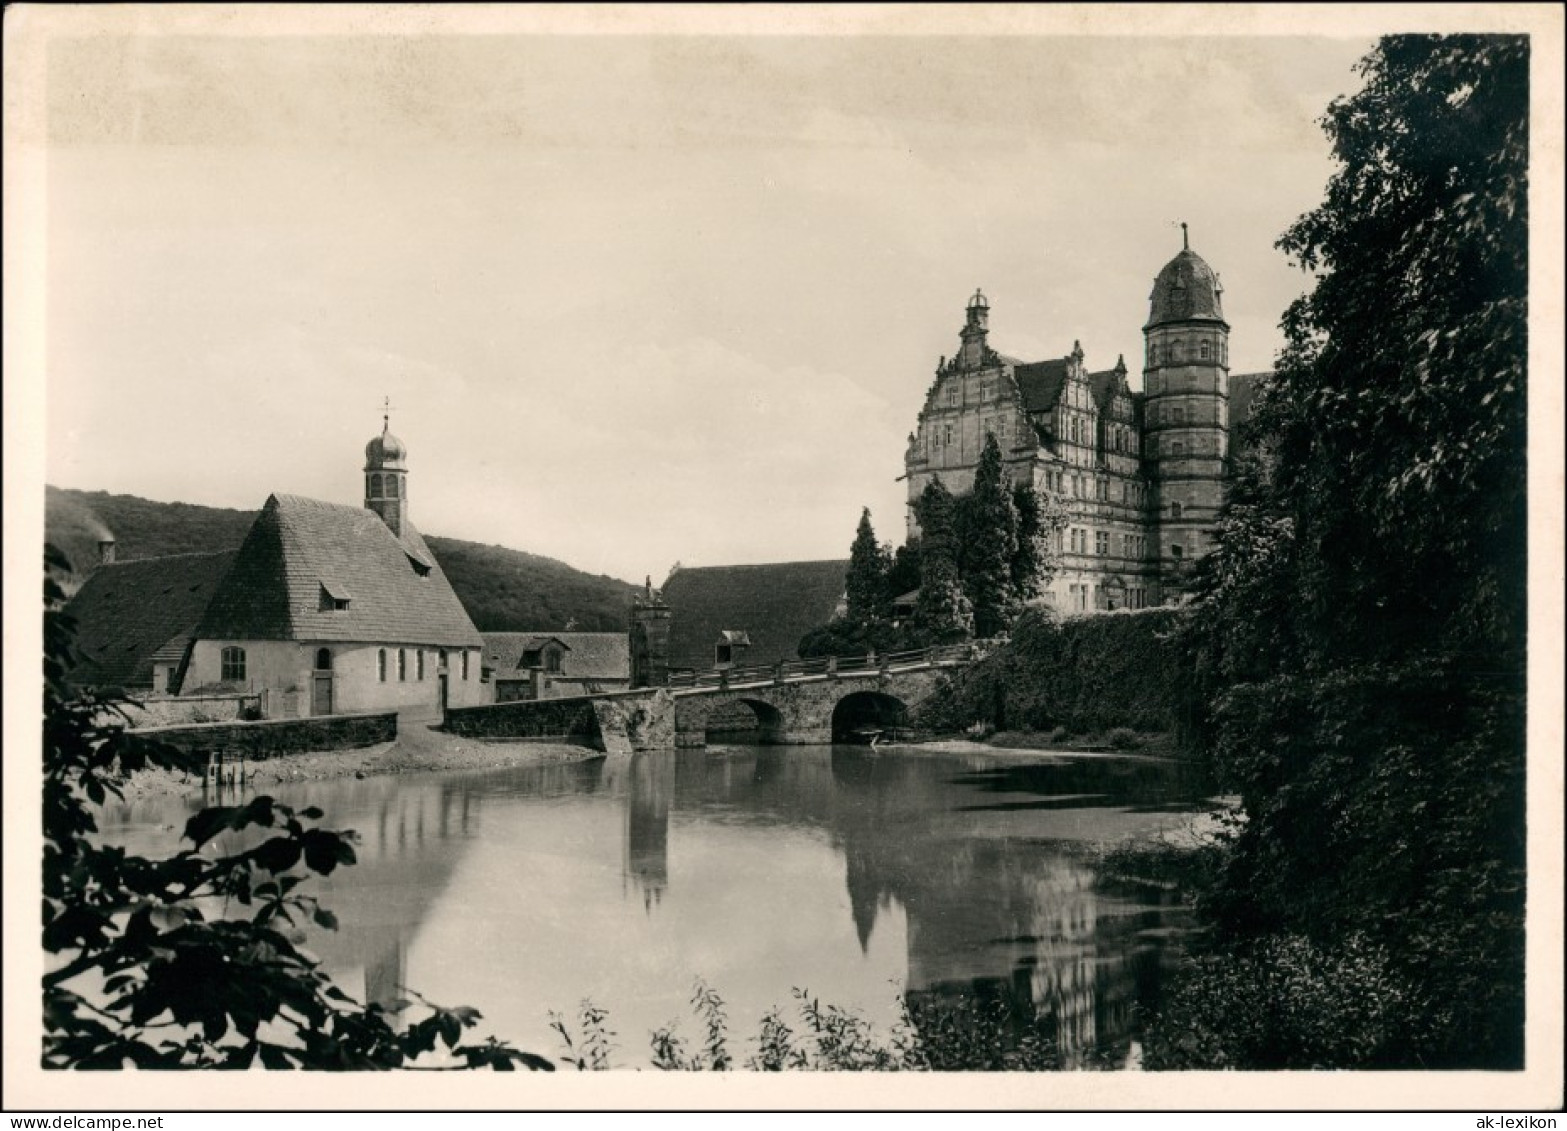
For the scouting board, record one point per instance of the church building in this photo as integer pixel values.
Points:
(334, 609)
(1142, 473)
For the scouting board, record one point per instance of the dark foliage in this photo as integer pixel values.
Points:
(1360, 630)
(869, 564)
(1085, 674)
(987, 544)
(943, 614)
(140, 975)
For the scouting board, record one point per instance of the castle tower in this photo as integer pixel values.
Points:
(1186, 410)
(386, 477)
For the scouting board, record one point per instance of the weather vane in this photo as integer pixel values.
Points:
(386, 412)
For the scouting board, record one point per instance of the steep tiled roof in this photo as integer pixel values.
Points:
(1243, 390)
(775, 605)
(300, 553)
(594, 655)
(1040, 383)
(129, 612)
(1101, 386)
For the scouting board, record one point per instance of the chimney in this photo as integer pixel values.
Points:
(106, 551)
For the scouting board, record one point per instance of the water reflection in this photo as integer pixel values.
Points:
(757, 869)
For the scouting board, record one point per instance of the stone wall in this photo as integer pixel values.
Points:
(161, 711)
(271, 737)
(634, 720)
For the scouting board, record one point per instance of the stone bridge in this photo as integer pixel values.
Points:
(795, 702)
(812, 706)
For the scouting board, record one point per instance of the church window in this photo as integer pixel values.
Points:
(391, 486)
(375, 486)
(402, 664)
(465, 666)
(232, 665)
(419, 663)
(380, 665)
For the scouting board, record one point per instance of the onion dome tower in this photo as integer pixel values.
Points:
(386, 477)
(1186, 408)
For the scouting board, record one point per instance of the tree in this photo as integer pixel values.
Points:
(1360, 626)
(140, 975)
(942, 615)
(987, 544)
(869, 564)
(1039, 520)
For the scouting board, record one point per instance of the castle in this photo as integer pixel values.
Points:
(1141, 474)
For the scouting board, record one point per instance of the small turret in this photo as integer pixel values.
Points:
(386, 476)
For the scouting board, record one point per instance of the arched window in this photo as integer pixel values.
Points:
(323, 659)
(391, 486)
(402, 664)
(380, 665)
(375, 485)
(233, 665)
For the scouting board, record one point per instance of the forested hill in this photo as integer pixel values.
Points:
(503, 590)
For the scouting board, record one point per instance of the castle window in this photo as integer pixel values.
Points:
(1177, 448)
(1101, 542)
(1175, 350)
(380, 665)
(1204, 349)
(946, 437)
(232, 665)
(1175, 510)
(1153, 353)
(1104, 491)
(1177, 414)
(1176, 551)
(952, 394)
(323, 659)
(402, 665)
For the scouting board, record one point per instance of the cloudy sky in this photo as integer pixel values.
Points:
(635, 299)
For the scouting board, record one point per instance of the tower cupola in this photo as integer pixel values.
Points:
(976, 327)
(386, 476)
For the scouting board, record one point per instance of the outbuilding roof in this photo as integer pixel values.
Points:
(774, 605)
(303, 558)
(594, 655)
(130, 613)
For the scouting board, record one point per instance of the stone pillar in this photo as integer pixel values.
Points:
(650, 622)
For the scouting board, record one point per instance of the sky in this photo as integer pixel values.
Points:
(634, 299)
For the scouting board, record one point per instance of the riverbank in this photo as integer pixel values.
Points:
(418, 749)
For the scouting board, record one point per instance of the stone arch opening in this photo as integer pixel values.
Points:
(863, 711)
(744, 720)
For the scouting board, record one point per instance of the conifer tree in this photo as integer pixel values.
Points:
(989, 545)
(943, 614)
(869, 563)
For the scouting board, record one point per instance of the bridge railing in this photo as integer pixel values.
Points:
(786, 670)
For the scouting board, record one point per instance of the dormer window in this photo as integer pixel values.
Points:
(334, 598)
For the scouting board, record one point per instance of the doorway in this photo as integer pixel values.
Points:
(321, 683)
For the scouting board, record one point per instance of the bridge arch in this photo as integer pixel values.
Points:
(747, 717)
(860, 709)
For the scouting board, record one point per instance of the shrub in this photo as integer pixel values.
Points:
(1123, 738)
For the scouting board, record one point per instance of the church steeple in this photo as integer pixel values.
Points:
(386, 475)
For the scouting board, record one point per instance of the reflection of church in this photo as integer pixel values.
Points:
(650, 787)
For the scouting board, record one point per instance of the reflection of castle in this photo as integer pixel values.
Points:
(651, 783)
(1002, 921)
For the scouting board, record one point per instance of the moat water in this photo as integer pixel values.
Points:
(853, 875)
